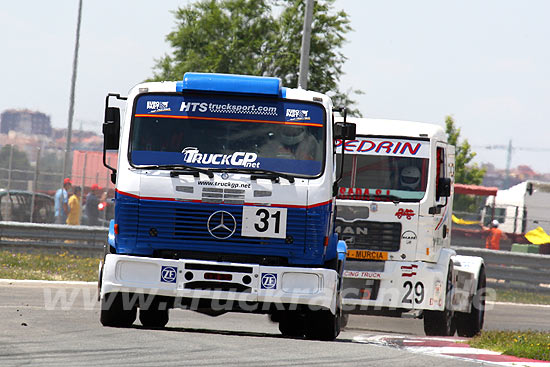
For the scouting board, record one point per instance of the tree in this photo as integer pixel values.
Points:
(245, 37)
(464, 173)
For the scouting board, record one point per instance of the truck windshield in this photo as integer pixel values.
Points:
(384, 169)
(219, 132)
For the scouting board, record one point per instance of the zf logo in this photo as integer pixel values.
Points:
(269, 281)
(168, 274)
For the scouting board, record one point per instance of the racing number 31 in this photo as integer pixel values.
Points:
(264, 222)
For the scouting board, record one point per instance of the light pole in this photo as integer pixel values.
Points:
(306, 39)
(71, 98)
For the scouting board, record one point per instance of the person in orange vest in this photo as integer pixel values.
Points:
(494, 236)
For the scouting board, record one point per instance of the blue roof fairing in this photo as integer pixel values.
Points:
(230, 83)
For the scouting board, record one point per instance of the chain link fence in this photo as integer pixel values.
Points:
(28, 184)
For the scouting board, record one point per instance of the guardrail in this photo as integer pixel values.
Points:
(512, 270)
(504, 269)
(81, 240)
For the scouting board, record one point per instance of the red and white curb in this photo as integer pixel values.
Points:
(448, 347)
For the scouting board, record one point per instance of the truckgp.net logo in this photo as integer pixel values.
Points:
(243, 159)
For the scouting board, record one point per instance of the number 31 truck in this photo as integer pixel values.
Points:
(225, 191)
(394, 211)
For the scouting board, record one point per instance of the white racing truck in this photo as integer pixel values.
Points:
(394, 209)
(224, 203)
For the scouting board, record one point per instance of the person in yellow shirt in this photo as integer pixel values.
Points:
(74, 207)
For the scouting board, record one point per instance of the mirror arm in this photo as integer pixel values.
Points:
(113, 170)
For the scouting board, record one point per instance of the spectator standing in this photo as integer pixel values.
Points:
(62, 202)
(92, 202)
(494, 236)
(74, 207)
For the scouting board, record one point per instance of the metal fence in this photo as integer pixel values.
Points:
(41, 169)
(512, 270)
(52, 238)
(46, 177)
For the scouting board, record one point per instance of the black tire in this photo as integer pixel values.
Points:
(152, 318)
(323, 325)
(115, 312)
(442, 323)
(154, 315)
(292, 324)
(470, 324)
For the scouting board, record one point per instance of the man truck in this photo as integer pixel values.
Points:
(394, 209)
(224, 202)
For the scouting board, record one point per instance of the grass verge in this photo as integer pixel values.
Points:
(62, 266)
(517, 296)
(523, 344)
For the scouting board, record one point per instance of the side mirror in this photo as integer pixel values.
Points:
(530, 188)
(344, 130)
(111, 128)
(444, 187)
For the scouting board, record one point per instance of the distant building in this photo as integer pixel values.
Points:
(25, 121)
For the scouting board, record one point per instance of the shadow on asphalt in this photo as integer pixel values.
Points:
(232, 333)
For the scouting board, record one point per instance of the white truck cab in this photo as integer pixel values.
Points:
(394, 209)
(224, 203)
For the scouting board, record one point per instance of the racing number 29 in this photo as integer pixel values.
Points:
(418, 292)
(267, 222)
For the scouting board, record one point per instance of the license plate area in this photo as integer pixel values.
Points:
(361, 289)
(367, 255)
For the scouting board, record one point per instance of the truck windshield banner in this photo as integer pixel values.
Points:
(387, 147)
(228, 132)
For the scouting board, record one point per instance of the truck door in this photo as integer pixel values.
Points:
(442, 217)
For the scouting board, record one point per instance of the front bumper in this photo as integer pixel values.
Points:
(400, 285)
(249, 284)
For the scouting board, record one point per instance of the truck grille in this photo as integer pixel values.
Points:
(221, 195)
(368, 235)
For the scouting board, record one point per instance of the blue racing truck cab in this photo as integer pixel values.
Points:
(225, 196)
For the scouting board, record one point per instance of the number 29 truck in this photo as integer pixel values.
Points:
(394, 209)
(224, 203)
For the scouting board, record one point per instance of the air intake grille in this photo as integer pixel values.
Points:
(367, 235)
(221, 195)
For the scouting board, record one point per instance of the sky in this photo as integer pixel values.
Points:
(485, 63)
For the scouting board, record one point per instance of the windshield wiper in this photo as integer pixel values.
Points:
(393, 198)
(180, 169)
(261, 173)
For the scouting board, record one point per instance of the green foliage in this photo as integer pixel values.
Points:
(464, 173)
(245, 37)
(523, 344)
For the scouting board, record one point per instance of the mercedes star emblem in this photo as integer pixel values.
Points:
(221, 224)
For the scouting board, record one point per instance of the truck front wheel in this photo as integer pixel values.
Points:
(154, 315)
(323, 325)
(442, 323)
(115, 312)
(292, 324)
(470, 324)
(153, 318)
